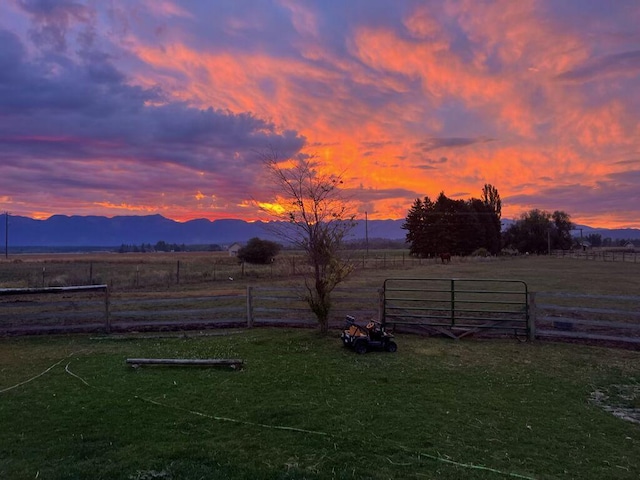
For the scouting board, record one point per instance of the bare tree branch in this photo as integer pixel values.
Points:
(317, 217)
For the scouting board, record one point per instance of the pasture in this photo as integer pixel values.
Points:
(304, 407)
(155, 274)
(152, 291)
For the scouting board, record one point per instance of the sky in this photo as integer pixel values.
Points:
(140, 107)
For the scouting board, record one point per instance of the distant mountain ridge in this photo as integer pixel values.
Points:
(83, 231)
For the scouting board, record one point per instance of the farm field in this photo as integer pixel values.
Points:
(161, 273)
(305, 407)
(199, 290)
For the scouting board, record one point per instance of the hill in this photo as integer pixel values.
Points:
(93, 231)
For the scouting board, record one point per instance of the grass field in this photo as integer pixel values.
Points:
(304, 407)
(157, 273)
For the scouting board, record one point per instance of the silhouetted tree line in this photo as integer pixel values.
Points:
(538, 231)
(163, 246)
(458, 227)
(596, 240)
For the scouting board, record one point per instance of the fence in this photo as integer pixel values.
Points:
(457, 307)
(124, 273)
(157, 270)
(267, 305)
(608, 318)
(74, 308)
(78, 309)
(600, 255)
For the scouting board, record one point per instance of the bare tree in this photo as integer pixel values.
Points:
(317, 220)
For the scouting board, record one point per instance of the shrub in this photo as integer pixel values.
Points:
(258, 251)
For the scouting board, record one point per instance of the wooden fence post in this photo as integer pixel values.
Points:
(381, 315)
(249, 307)
(178, 273)
(532, 316)
(107, 317)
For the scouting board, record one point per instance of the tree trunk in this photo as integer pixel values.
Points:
(324, 325)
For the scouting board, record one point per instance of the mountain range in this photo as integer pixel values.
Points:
(97, 231)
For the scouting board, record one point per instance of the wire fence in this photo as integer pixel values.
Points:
(147, 271)
(620, 255)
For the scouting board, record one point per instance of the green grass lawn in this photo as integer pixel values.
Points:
(305, 407)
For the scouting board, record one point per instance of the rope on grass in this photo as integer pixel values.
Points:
(471, 465)
(233, 420)
(205, 415)
(37, 376)
(66, 369)
(294, 429)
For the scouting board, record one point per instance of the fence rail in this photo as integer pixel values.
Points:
(600, 255)
(78, 310)
(455, 308)
(39, 312)
(269, 305)
(609, 318)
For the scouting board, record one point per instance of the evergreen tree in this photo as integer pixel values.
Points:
(454, 226)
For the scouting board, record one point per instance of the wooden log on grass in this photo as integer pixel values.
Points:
(207, 362)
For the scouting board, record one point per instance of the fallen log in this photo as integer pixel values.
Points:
(209, 362)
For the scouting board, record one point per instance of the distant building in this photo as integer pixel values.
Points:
(629, 246)
(233, 249)
(583, 244)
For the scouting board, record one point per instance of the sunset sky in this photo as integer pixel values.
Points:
(137, 107)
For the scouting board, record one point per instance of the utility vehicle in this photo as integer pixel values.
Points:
(371, 337)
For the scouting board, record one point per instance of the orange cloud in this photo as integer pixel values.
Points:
(445, 96)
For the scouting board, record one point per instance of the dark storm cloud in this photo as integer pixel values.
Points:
(51, 20)
(371, 194)
(616, 194)
(58, 109)
(87, 103)
(434, 143)
(130, 100)
(625, 62)
(431, 163)
(628, 162)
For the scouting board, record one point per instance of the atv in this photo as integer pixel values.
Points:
(362, 339)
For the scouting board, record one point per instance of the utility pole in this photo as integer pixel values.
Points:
(366, 232)
(6, 235)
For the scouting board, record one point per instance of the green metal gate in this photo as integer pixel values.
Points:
(457, 307)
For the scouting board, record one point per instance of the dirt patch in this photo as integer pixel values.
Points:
(622, 401)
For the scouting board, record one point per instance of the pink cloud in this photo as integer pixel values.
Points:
(161, 100)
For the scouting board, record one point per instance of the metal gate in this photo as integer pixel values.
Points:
(457, 307)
